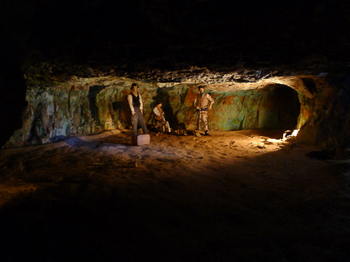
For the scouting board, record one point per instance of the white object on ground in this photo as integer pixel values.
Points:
(142, 140)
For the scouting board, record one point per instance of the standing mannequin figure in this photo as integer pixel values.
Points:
(136, 108)
(203, 103)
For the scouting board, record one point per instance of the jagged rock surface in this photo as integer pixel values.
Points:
(69, 105)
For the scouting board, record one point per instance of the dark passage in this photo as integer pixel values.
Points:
(281, 108)
(93, 92)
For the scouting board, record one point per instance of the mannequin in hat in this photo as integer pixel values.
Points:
(203, 103)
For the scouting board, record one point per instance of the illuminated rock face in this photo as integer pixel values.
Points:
(83, 106)
(234, 110)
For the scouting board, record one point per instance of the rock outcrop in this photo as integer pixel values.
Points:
(71, 106)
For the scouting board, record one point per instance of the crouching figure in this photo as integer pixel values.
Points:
(161, 124)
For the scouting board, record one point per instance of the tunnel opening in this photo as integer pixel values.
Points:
(279, 109)
(274, 106)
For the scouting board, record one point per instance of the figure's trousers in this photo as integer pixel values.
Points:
(138, 120)
(202, 117)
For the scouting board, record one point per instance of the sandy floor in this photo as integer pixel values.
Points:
(232, 195)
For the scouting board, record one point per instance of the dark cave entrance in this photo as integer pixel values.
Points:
(280, 108)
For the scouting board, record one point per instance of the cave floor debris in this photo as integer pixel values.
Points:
(210, 198)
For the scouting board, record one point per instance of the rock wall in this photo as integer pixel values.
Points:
(83, 106)
(328, 115)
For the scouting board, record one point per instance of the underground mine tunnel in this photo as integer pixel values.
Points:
(71, 170)
(87, 106)
(285, 108)
(73, 186)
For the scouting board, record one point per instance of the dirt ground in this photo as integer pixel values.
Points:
(232, 196)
